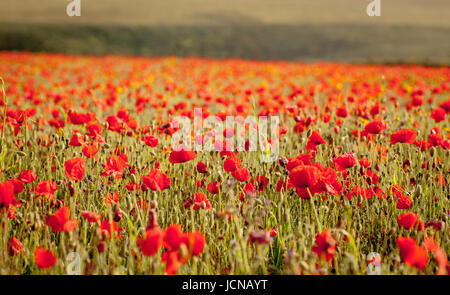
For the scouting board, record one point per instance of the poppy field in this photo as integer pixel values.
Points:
(360, 184)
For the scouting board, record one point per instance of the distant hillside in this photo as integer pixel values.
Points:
(346, 43)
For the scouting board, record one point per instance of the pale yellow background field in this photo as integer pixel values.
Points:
(201, 12)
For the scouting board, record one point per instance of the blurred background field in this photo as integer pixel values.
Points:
(408, 31)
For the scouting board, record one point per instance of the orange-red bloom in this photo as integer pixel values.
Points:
(60, 221)
(181, 156)
(156, 180)
(27, 176)
(344, 161)
(44, 258)
(325, 246)
(75, 168)
(151, 242)
(403, 136)
(46, 189)
(411, 253)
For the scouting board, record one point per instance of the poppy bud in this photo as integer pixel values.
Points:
(133, 178)
(432, 151)
(203, 204)
(152, 219)
(118, 215)
(418, 191)
(183, 251)
(101, 247)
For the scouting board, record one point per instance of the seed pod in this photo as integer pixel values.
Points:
(22, 154)
(418, 191)
(184, 252)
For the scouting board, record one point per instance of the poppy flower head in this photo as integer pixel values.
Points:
(27, 176)
(46, 189)
(181, 156)
(241, 174)
(411, 253)
(75, 168)
(325, 246)
(151, 242)
(345, 161)
(7, 196)
(407, 220)
(60, 221)
(231, 164)
(403, 136)
(314, 140)
(44, 258)
(374, 127)
(304, 176)
(156, 180)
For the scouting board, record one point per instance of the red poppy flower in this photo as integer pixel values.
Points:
(195, 242)
(60, 221)
(112, 198)
(79, 118)
(90, 150)
(90, 216)
(156, 180)
(46, 189)
(115, 165)
(325, 246)
(365, 162)
(438, 115)
(375, 127)
(75, 168)
(181, 156)
(14, 246)
(18, 185)
(439, 255)
(173, 237)
(284, 184)
(7, 194)
(132, 186)
(407, 220)
(261, 182)
(197, 200)
(151, 242)
(304, 176)
(109, 228)
(77, 139)
(344, 161)
(411, 253)
(213, 188)
(314, 140)
(403, 136)
(231, 164)
(342, 112)
(27, 176)
(241, 174)
(172, 260)
(44, 258)
(201, 167)
(404, 202)
(150, 141)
